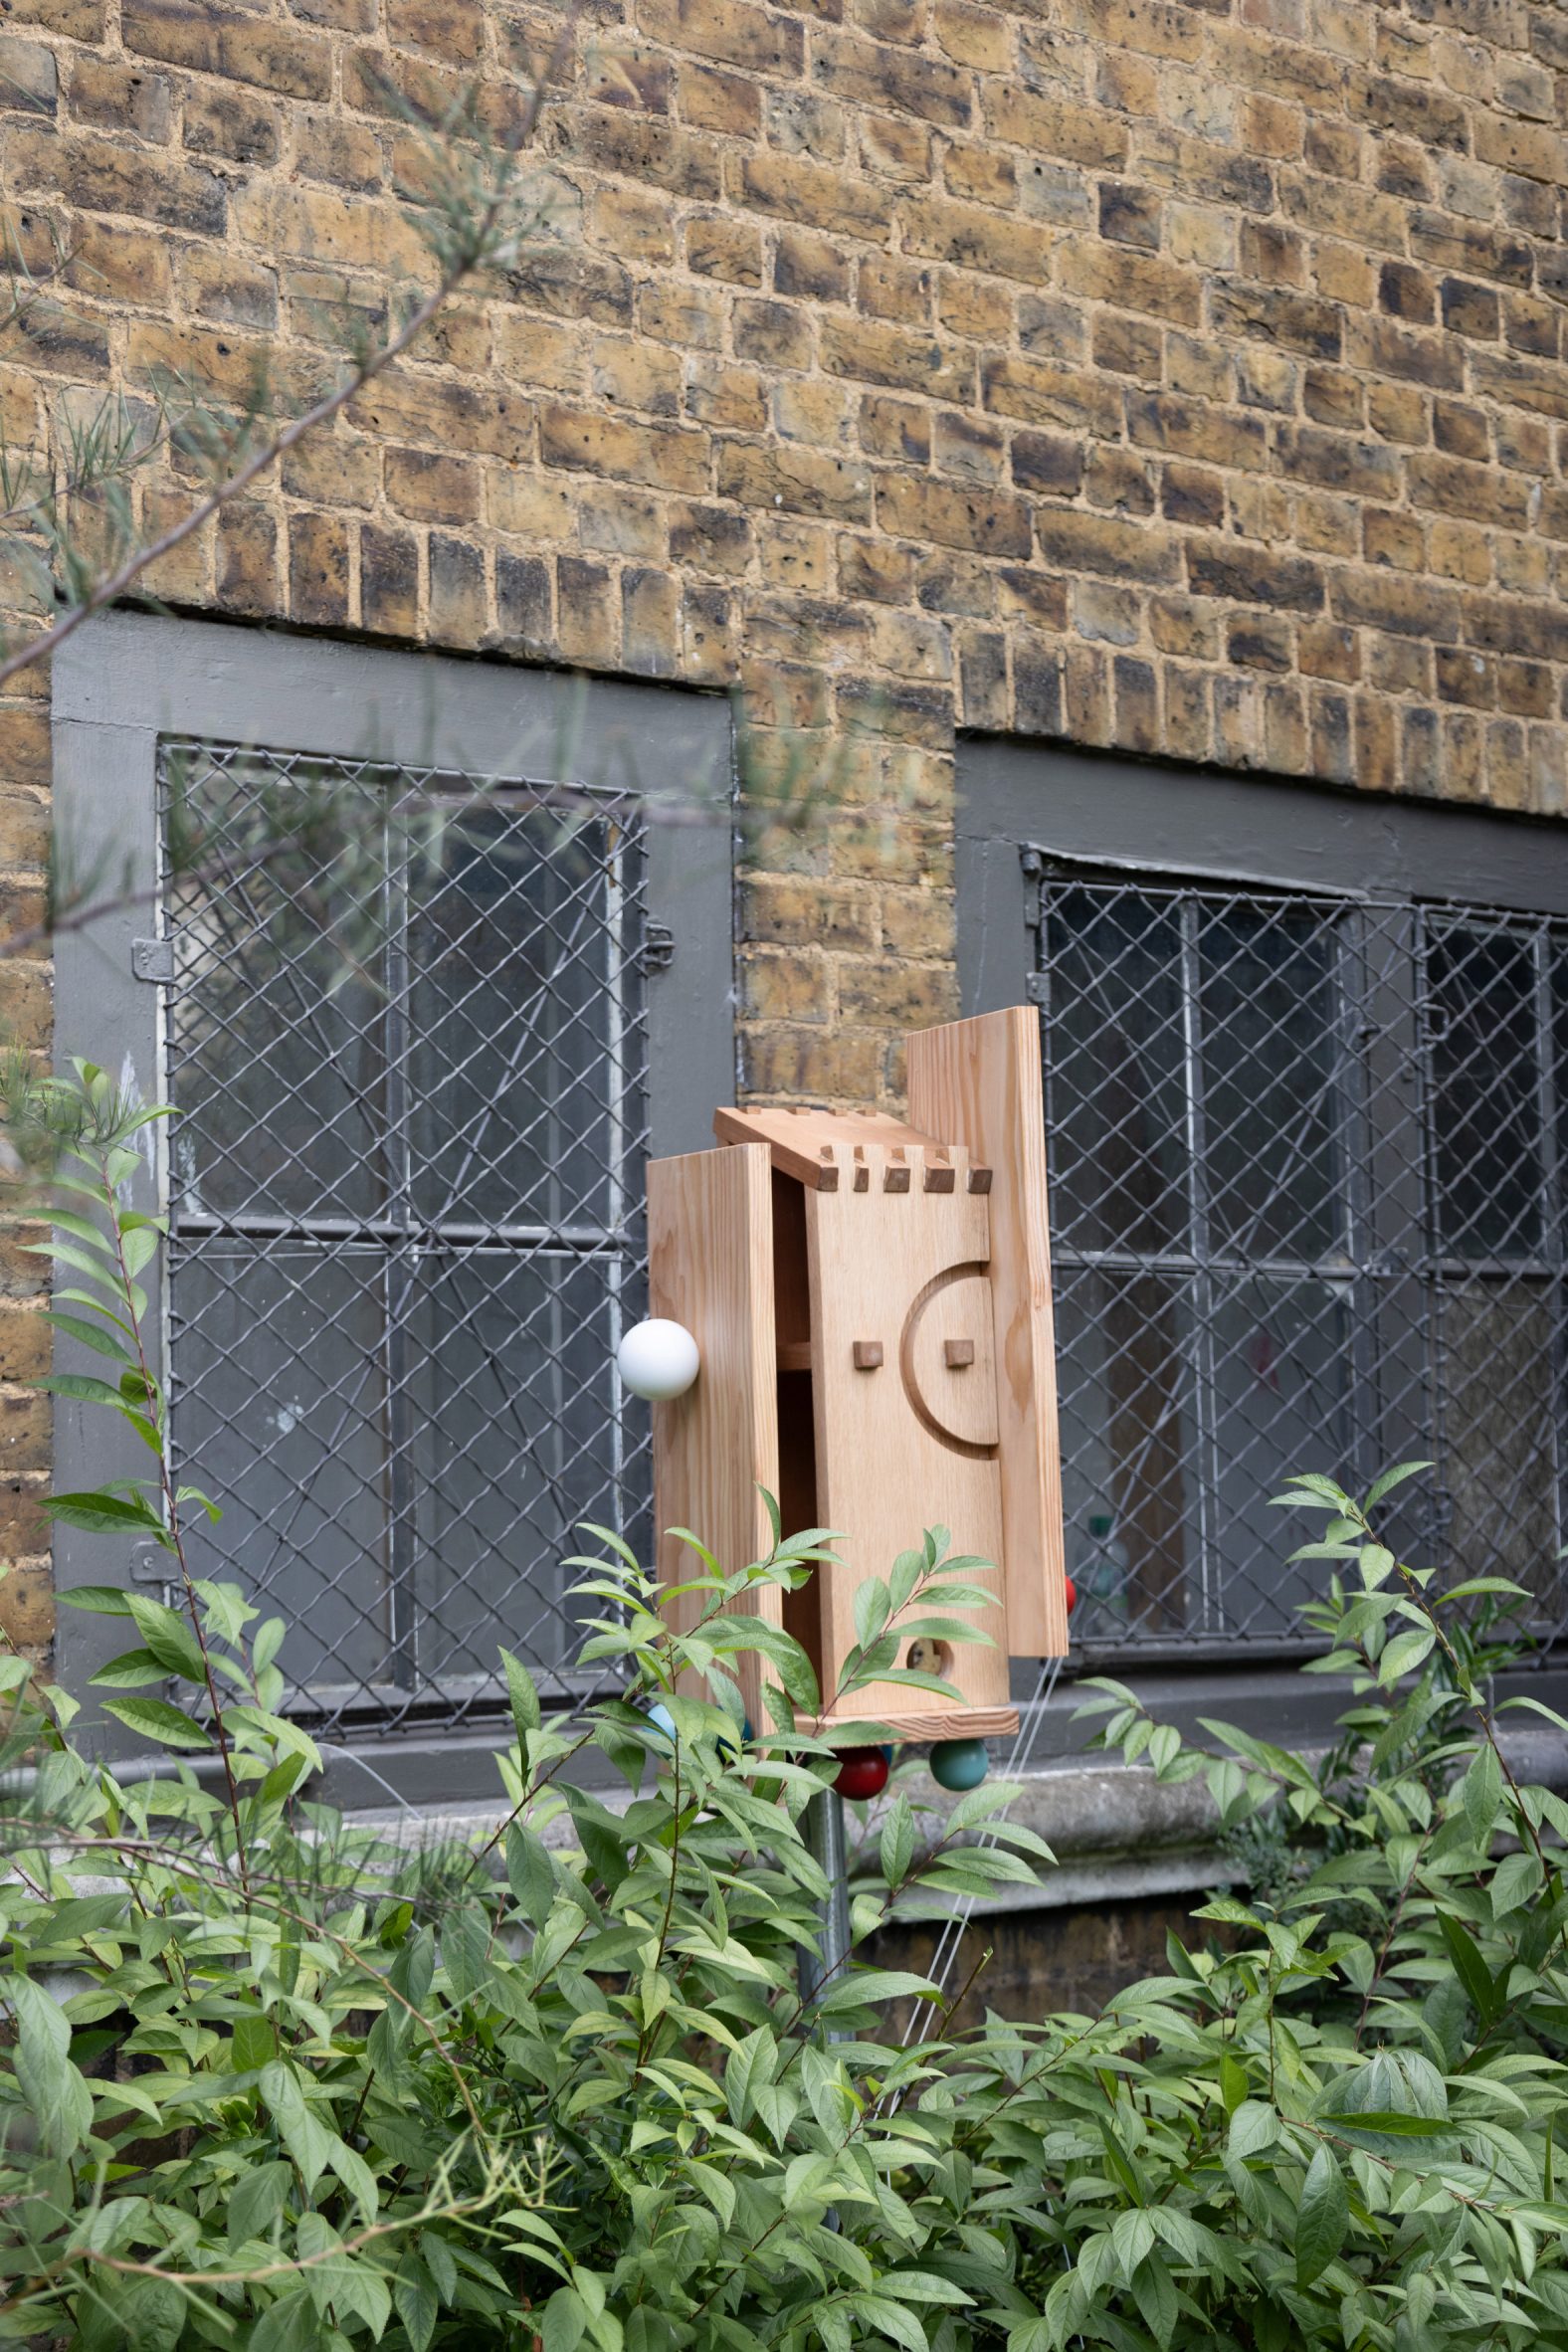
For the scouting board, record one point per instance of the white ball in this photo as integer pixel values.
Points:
(658, 1359)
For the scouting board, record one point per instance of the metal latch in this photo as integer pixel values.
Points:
(659, 947)
(153, 960)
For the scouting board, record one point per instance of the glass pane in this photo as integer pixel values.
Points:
(1282, 1401)
(515, 1436)
(1114, 1043)
(1124, 1386)
(1499, 1428)
(518, 981)
(1485, 1126)
(275, 1047)
(281, 1416)
(1270, 1081)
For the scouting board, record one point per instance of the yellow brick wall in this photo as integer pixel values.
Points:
(1187, 379)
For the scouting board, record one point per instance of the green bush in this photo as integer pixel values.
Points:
(271, 2083)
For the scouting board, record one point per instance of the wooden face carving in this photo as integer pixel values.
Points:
(903, 1391)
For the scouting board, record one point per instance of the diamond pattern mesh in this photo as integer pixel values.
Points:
(1307, 1213)
(407, 1048)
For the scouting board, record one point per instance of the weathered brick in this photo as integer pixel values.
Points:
(98, 176)
(809, 192)
(1078, 542)
(874, 353)
(1253, 575)
(991, 523)
(797, 480)
(732, 31)
(207, 39)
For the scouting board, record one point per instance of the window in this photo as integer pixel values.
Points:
(420, 1016)
(1306, 1154)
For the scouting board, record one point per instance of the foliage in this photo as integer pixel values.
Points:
(277, 2085)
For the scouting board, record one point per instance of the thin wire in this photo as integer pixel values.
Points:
(946, 1956)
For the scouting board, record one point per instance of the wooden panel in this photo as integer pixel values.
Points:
(883, 1474)
(978, 1082)
(710, 1268)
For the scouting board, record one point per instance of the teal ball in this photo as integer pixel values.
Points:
(959, 1764)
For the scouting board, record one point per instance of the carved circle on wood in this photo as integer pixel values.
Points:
(956, 1407)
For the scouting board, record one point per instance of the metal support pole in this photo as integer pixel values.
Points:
(825, 1837)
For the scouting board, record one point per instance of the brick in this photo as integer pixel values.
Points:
(97, 176)
(1038, 393)
(664, 457)
(389, 581)
(1045, 125)
(991, 523)
(976, 239)
(1102, 543)
(205, 38)
(117, 93)
(1192, 429)
(319, 570)
(642, 147)
(588, 614)
(871, 352)
(808, 192)
(731, 31)
(231, 124)
(1132, 280)
(795, 480)
(409, 406)
(716, 247)
(870, 73)
(523, 602)
(1252, 575)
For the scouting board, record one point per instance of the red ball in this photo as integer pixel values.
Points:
(1071, 1595)
(863, 1772)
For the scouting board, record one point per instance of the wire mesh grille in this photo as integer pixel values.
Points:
(1306, 1210)
(407, 1048)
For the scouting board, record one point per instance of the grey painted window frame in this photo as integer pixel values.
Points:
(129, 679)
(1153, 817)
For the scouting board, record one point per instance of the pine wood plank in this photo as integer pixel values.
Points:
(710, 1268)
(978, 1082)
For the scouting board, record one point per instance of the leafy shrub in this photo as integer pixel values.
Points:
(275, 2084)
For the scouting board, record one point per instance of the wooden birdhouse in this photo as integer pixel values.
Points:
(871, 1303)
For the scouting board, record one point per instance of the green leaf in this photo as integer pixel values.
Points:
(53, 2089)
(870, 1986)
(897, 1840)
(1480, 1793)
(258, 2198)
(101, 1600)
(1469, 1967)
(165, 1632)
(92, 1335)
(526, 1710)
(100, 1510)
(83, 1388)
(414, 2294)
(563, 2320)
(1404, 1653)
(154, 1718)
(1323, 2217)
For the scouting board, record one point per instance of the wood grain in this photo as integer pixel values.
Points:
(710, 1268)
(882, 1475)
(818, 1147)
(978, 1084)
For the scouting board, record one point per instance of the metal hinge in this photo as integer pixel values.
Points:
(1034, 867)
(659, 947)
(1035, 988)
(149, 1564)
(152, 960)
